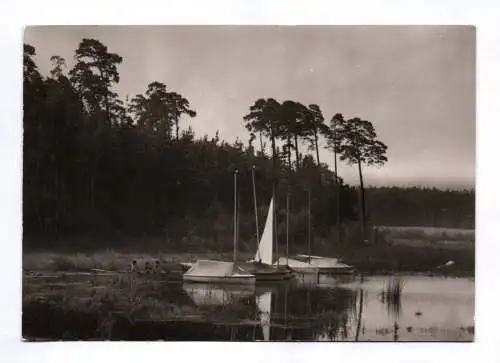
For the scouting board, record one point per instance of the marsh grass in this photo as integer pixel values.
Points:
(389, 250)
(105, 302)
(390, 258)
(112, 260)
(53, 261)
(391, 296)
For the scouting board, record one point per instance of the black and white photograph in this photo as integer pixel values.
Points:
(263, 183)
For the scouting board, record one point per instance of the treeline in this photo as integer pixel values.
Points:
(99, 166)
(430, 207)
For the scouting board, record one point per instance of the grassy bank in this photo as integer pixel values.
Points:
(389, 250)
(367, 259)
(409, 259)
(103, 307)
(413, 249)
(112, 260)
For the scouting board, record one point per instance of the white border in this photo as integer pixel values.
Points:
(479, 13)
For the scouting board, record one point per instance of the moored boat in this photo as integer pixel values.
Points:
(303, 263)
(317, 264)
(212, 271)
(218, 272)
(262, 265)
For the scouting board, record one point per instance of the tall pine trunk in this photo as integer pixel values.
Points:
(289, 152)
(275, 187)
(337, 196)
(91, 190)
(297, 157)
(108, 114)
(58, 197)
(106, 99)
(273, 147)
(363, 205)
(261, 143)
(162, 128)
(316, 145)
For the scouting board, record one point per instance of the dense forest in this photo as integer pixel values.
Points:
(103, 167)
(396, 206)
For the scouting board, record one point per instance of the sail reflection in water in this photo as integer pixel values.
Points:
(333, 309)
(407, 308)
(281, 312)
(264, 306)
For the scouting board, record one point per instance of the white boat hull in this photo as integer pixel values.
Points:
(318, 265)
(325, 270)
(211, 271)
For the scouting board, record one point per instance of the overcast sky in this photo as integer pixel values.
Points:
(415, 84)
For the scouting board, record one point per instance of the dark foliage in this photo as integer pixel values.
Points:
(98, 167)
(91, 171)
(396, 206)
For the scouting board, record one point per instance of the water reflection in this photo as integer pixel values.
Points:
(285, 311)
(205, 294)
(390, 296)
(308, 308)
(350, 310)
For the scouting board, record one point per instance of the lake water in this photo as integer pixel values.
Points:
(377, 308)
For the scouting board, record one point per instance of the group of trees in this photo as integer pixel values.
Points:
(354, 141)
(81, 140)
(289, 122)
(98, 165)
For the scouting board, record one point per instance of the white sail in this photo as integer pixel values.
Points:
(265, 251)
(264, 306)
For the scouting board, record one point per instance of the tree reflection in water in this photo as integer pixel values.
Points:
(287, 312)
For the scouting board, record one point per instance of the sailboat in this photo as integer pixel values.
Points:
(214, 271)
(303, 263)
(263, 265)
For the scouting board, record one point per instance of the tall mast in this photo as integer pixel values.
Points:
(309, 223)
(287, 223)
(256, 212)
(235, 218)
(238, 217)
(275, 227)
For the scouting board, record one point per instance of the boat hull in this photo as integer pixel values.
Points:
(278, 276)
(243, 279)
(265, 272)
(318, 265)
(324, 270)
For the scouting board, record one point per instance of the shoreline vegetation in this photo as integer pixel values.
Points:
(392, 250)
